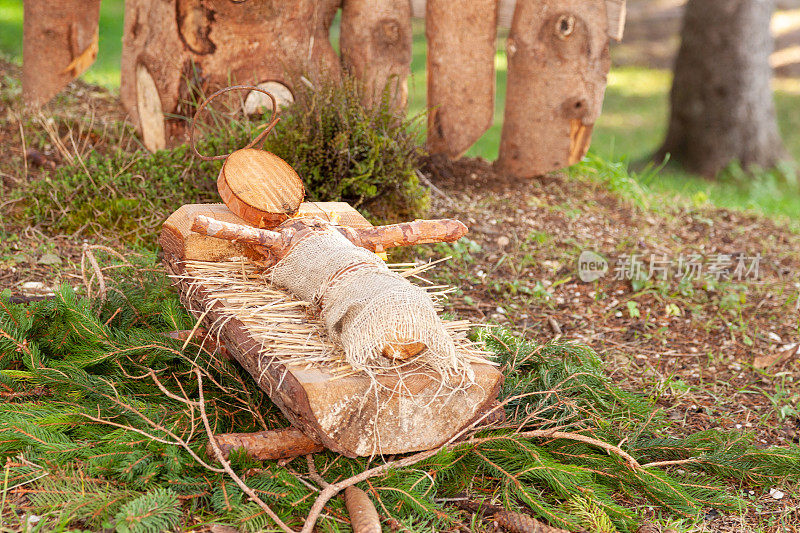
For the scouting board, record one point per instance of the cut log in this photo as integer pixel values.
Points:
(267, 445)
(557, 66)
(376, 47)
(342, 411)
(180, 241)
(59, 42)
(190, 48)
(260, 187)
(461, 38)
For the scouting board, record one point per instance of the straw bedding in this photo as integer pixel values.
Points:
(290, 331)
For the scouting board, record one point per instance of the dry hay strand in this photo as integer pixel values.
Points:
(290, 332)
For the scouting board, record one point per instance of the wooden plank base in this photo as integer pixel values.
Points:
(349, 413)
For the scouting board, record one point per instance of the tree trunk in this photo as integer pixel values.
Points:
(722, 106)
(461, 47)
(176, 51)
(557, 66)
(376, 47)
(59, 43)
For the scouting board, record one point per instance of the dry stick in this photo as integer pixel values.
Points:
(226, 465)
(332, 489)
(668, 463)
(237, 232)
(24, 148)
(546, 433)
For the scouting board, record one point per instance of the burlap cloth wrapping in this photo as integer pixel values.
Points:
(364, 305)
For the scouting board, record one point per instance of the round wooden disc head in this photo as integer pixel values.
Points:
(260, 187)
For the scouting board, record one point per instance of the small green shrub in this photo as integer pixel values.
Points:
(341, 150)
(344, 151)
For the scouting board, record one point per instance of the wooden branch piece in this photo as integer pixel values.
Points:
(238, 233)
(461, 37)
(59, 42)
(363, 515)
(375, 239)
(381, 238)
(260, 187)
(557, 65)
(267, 445)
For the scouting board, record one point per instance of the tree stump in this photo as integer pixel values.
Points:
(461, 47)
(59, 43)
(376, 47)
(557, 65)
(176, 51)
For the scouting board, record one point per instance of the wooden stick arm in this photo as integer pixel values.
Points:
(374, 239)
(237, 232)
(380, 238)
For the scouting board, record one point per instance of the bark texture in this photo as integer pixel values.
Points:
(461, 38)
(260, 187)
(59, 43)
(190, 48)
(376, 47)
(557, 66)
(267, 445)
(721, 99)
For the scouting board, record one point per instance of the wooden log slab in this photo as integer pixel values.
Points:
(461, 38)
(59, 42)
(558, 61)
(342, 410)
(184, 244)
(260, 187)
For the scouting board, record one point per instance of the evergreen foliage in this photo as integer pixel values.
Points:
(66, 366)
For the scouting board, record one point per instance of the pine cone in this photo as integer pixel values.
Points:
(522, 523)
(363, 516)
(649, 527)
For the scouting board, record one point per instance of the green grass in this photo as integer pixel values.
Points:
(630, 129)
